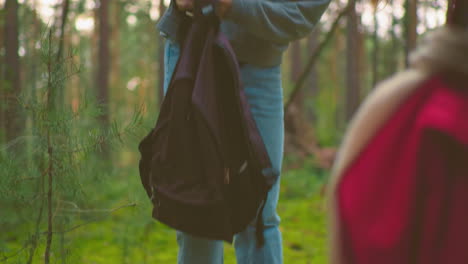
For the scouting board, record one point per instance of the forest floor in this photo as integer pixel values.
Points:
(129, 235)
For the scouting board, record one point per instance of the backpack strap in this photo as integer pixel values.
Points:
(259, 226)
(256, 145)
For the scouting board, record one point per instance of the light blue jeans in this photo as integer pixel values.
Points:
(265, 96)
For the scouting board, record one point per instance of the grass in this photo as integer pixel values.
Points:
(130, 235)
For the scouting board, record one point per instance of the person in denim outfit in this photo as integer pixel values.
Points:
(259, 32)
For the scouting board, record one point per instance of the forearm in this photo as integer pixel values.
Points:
(277, 21)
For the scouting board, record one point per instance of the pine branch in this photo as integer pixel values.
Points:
(102, 139)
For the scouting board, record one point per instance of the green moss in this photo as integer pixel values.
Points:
(130, 235)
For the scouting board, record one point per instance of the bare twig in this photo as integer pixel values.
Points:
(79, 210)
(70, 203)
(20, 179)
(15, 141)
(92, 221)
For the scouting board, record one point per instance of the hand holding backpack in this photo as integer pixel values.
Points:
(204, 165)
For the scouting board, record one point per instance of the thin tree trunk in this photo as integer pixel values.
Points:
(295, 71)
(2, 78)
(312, 82)
(35, 157)
(394, 46)
(313, 58)
(50, 225)
(411, 24)
(50, 153)
(102, 74)
(102, 77)
(375, 52)
(60, 100)
(457, 16)
(162, 9)
(352, 62)
(115, 68)
(33, 51)
(336, 74)
(36, 236)
(312, 44)
(295, 118)
(14, 122)
(295, 60)
(65, 9)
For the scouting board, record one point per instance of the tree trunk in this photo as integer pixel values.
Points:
(375, 52)
(50, 154)
(102, 73)
(2, 79)
(295, 116)
(313, 58)
(115, 68)
(312, 44)
(457, 14)
(395, 53)
(14, 122)
(63, 23)
(162, 9)
(295, 60)
(411, 24)
(352, 62)
(295, 71)
(35, 35)
(60, 100)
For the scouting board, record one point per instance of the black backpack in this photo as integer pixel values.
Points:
(204, 165)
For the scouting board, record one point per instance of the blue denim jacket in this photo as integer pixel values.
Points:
(259, 30)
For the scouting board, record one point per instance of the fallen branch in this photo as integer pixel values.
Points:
(313, 58)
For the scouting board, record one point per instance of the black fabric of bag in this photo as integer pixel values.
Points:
(204, 165)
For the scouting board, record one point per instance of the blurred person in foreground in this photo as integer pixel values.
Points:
(399, 187)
